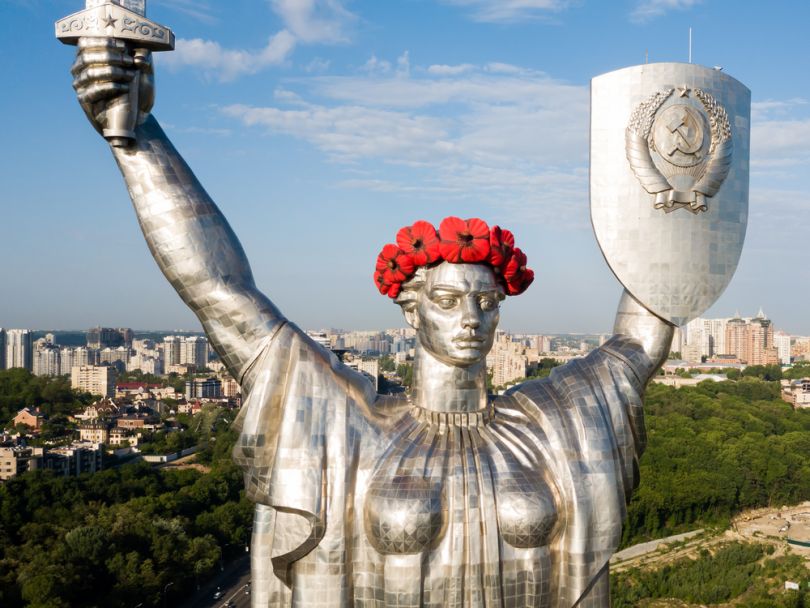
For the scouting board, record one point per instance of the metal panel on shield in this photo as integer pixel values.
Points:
(669, 182)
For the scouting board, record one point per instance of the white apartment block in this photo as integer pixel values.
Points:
(145, 363)
(183, 350)
(96, 380)
(76, 357)
(781, 341)
(507, 360)
(704, 338)
(19, 349)
(47, 361)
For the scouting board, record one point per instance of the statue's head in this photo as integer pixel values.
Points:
(450, 284)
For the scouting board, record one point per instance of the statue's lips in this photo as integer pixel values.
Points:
(468, 341)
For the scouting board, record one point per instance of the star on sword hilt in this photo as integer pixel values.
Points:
(123, 20)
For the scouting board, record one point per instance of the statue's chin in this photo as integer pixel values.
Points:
(460, 357)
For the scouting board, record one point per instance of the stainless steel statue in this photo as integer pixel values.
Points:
(450, 497)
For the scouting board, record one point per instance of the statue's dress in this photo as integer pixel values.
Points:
(367, 500)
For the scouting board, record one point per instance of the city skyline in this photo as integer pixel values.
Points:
(357, 118)
(168, 333)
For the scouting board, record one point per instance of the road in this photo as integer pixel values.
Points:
(231, 583)
(648, 547)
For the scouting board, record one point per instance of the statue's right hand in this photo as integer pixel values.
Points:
(104, 71)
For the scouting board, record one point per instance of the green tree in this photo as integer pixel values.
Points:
(387, 364)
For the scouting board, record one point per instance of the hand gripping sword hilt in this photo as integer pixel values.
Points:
(111, 20)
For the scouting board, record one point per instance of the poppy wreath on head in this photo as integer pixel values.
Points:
(457, 241)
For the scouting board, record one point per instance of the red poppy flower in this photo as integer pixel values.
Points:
(501, 245)
(420, 241)
(517, 287)
(516, 275)
(464, 241)
(394, 290)
(394, 264)
(387, 289)
(380, 283)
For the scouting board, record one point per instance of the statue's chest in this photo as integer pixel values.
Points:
(463, 491)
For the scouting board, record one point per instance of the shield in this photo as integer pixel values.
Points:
(669, 182)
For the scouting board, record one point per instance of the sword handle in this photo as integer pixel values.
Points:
(122, 116)
(109, 19)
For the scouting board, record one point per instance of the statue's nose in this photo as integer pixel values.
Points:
(470, 319)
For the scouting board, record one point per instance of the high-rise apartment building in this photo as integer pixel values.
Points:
(704, 338)
(19, 349)
(171, 350)
(751, 340)
(111, 355)
(182, 350)
(781, 341)
(93, 379)
(2, 348)
(716, 329)
(759, 346)
(76, 357)
(194, 351)
(145, 363)
(109, 337)
(47, 360)
(507, 360)
(736, 338)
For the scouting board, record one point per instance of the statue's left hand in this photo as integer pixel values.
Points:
(104, 71)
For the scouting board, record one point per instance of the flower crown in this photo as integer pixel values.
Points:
(458, 242)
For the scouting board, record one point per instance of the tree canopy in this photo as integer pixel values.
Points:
(714, 450)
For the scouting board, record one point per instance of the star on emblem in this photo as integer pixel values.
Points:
(683, 91)
(109, 21)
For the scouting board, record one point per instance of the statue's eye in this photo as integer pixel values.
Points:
(487, 303)
(447, 302)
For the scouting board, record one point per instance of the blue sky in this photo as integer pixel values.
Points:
(322, 126)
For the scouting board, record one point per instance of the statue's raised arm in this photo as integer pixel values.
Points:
(190, 239)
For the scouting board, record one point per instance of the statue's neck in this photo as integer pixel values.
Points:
(440, 387)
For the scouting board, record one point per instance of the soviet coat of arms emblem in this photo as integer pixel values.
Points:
(669, 182)
(680, 151)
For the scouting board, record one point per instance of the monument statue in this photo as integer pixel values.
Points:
(449, 496)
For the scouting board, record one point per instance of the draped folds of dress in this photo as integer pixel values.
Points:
(367, 500)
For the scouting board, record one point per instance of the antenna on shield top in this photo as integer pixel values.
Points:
(690, 45)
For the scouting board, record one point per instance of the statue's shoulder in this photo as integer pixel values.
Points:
(566, 385)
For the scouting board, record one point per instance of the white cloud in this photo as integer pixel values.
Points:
(507, 137)
(780, 136)
(646, 10)
(770, 108)
(350, 132)
(780, 143)
(404, 64)
(227, 64)
(201, 10)
(305, 22)
(376, 66)
(450, 70)
(317, 65)
(509, 11)
(315, 21)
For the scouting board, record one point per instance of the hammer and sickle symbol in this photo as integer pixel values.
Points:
(686, 134)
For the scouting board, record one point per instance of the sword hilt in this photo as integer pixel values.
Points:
(122, 20)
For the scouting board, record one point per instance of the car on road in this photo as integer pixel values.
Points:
(217, 594)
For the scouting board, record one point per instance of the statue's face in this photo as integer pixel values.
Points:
(457, 313)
